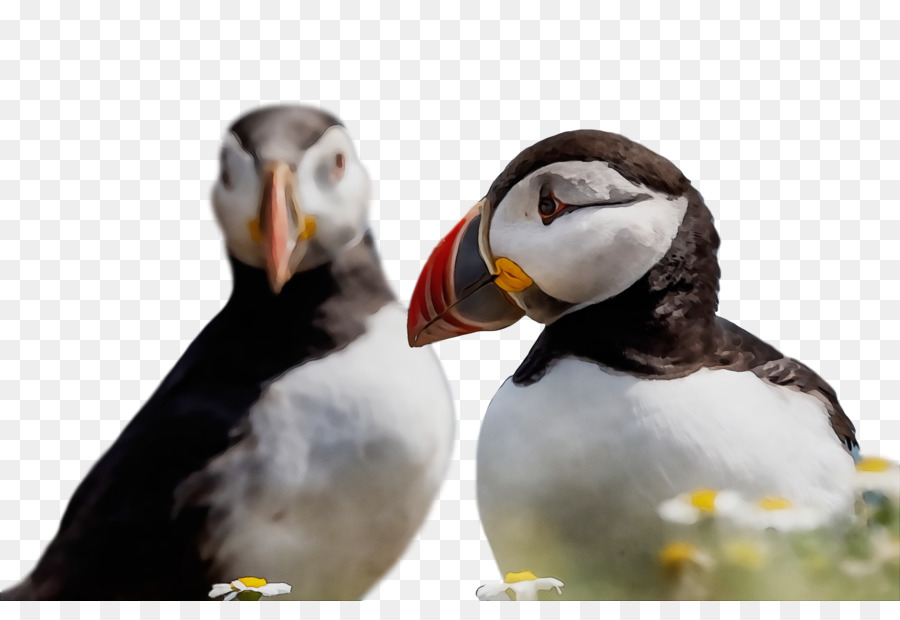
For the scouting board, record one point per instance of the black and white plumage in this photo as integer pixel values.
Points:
(635, 391)
(299, 439)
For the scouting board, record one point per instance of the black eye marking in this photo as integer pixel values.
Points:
(224, 175)
(550, 207)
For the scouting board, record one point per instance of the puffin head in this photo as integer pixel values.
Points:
(574, 220)
(291, 192)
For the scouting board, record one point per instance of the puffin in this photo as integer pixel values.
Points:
(636, 390)
(299, 439)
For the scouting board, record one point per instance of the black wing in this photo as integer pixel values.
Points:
(741, 350)
(788, 372)
(124, 535)
(120, 537)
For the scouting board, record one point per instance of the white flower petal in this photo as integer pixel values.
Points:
(493, 591)
(237, 584)
(678, 510)
(527, 590)
(273, 589)
(219, 589)
(886, 482)
(526, 594)
(549, 583)
(792, 519)
(728, 501)
(230, 597)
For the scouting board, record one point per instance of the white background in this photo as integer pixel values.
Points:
(784, 117)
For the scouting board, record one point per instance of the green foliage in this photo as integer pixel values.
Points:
(765, 549)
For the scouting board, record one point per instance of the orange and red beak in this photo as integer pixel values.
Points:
(456, 292)
(273, 223)
(278, 206)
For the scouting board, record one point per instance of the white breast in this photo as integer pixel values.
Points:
(345, 456)
(589, 454)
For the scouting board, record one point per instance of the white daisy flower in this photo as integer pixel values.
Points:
(248, 585)
(688, 508)
(525, 585)
(877, 474)
(772, 511)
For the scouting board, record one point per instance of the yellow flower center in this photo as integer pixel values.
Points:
(525, 575)
(511, 277)
(873, 464)
(773, 502)
(676, 554)
(745, 554)
(704, 500)
(252, 582)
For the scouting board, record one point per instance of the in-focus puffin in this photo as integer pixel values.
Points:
(635, 391)
(299, 439)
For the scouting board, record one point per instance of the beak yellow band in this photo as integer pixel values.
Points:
(255, 232)
(309, 229)
(510, 276)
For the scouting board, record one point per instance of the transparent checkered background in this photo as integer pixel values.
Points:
(786, 119)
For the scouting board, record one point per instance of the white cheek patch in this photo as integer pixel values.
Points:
(340, 207)
(237, 205)
(592, 253)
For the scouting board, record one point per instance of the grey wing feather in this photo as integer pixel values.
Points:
(740, 350)
(790, 373)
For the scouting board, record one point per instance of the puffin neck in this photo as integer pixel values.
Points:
(334, 298)
(251, 286)
(663, 324)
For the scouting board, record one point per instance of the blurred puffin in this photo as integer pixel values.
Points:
(635, 391)
(299, 439)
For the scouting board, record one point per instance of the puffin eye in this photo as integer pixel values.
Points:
(547, 206)
(339, 164)
(224, 177)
